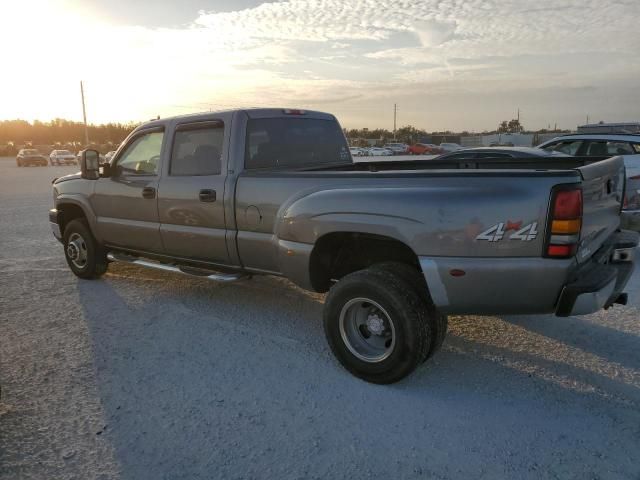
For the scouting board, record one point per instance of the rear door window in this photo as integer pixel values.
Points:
(197, 149)
(294, 142)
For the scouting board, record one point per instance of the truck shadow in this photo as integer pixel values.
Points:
(237, 379)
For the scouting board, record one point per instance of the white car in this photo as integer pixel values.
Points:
(380, 152)
(398, 148)
(355, 152)
(62, 157)
(608, 144)
(450, 147)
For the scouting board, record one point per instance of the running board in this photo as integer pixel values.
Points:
(190, 271)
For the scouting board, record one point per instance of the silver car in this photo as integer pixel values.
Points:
(62, 157)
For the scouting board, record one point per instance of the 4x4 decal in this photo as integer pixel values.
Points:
(497, 232)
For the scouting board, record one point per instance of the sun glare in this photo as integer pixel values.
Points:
(44, 50)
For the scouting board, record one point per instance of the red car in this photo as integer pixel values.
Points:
(424, 149)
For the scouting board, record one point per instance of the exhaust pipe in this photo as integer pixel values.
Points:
(192, 272)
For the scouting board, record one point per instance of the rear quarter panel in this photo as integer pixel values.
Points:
(434, 214)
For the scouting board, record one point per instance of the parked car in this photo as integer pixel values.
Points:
(397, 245)
(60, 157)
(380, 152)
(109, 155)
(450, 147)
(28, 157)
(358, 152)
(498, 152)
(424, 149)
(599, 145)
(397, 148)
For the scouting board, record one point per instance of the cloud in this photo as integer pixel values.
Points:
(351, 56)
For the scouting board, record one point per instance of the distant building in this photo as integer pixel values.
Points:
(601, 127)
(498, 139)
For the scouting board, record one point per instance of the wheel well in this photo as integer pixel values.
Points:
(68, 212)
(338, 254)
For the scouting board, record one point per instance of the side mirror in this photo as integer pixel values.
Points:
(90, 164)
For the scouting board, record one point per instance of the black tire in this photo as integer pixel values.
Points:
(401, 306)
(19, 163)
(95, 260)
(414, 278)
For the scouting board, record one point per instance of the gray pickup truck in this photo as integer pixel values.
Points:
(398, 245)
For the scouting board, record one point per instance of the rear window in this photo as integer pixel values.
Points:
(294, 142)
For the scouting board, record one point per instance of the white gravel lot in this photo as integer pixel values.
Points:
(145, 375)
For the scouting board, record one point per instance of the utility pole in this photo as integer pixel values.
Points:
(587, 119)
(84, 116)
(395, 113)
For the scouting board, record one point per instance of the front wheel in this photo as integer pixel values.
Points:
(377, 325)
(84, 255)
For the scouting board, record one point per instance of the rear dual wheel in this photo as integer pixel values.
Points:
(379, 325)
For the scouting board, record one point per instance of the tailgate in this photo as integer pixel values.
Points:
(602, 193)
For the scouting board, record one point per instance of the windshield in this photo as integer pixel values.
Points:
(30, 152)
(64, 152)
(280, 142)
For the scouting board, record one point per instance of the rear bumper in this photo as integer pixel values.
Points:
(601, 282)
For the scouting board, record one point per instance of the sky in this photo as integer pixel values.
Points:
(447, 64)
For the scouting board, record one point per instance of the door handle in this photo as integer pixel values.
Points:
(148, 192)
(207, 195)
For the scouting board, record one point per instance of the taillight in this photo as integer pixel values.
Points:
(565, 223)
(293, 111)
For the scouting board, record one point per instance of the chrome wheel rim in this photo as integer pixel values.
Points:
(77, 250)
(367, 330)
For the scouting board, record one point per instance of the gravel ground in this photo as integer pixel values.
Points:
(145, 375)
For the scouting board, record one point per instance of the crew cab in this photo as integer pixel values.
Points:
(398, 246)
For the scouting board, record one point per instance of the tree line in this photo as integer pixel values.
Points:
(61, 133)
(15, 134)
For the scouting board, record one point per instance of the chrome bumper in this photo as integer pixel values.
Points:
(53, 223)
